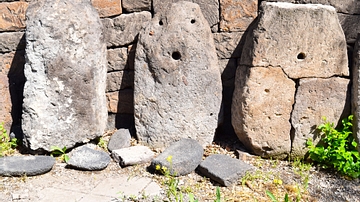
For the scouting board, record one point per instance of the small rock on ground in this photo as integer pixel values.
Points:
(25, 165)
(132, 155)
(85, 158)
(120, 139)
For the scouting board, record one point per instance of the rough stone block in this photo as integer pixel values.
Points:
(117, 59)
(306, 40)
(223, 169)
(122, 30)
(64, 93)
(13, 16)
(317, 98)
(180, 158)
(351, 26)
(121, 101)
(209, 8)
(177, 90)
(107, 8)
(355, 98)
(133, 155)
(25, 165)
(261, 108)
(120, 139)
(12, 41)
(136, 5)
(119, 80)
(228, 45)
(237, 15)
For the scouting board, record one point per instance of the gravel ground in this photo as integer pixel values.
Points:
(307, 183)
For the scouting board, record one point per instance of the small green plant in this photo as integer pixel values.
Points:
(218, 195)
(338, 148)
(102, 143)
(7, 145)
(274, 199)
(303, 170)
(60, 153)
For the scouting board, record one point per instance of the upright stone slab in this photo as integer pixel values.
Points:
(177, 90)
(317, 98)
(355, 100)
(64, 95)
(286, 43)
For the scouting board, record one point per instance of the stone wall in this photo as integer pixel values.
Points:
(122, 20)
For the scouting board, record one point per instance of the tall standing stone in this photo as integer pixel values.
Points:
(64, 95)
(287, 43)
(177, 90)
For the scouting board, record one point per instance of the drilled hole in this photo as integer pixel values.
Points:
(301, 56)
(161, 22)
(176, 55)
(192, 21)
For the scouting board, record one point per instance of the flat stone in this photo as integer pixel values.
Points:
(12, 16)
(118, 80)
(107, 8)
(136, 6)
(355, 98)
(85, 158)
(223, 169)
(12, 41)
(122, 30)
(317, 98)
(64, 94)
(175, 78)
(281, 37)
(25, 165)
(209, 8)
(228, 45)
(350, 25)
(185, 155)
(132, 155)
(261, 107)
(120, 139)
(236, 15)
(117, 59)
(121, 101)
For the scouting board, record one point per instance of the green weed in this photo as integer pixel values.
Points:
(60, 153)
(7, 145)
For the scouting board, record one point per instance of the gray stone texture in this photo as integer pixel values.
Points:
(12, 41)
(136, 5)
(185, 155)
(64, 95)
(228, 45)
(120, 139)
(86, 158)
(261, 107)
(117, 59)
(119, 80)
(177, 90)
(317, 98)
(122, 30)
(118, 120)
(223, 169)
(25, 165)
(305, 40)
(209, 8)
(350, 25)
(133, 155)
(355, 98)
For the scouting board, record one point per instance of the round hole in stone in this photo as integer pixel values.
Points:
(176, 55)
(267, 90)
(193, 21)
(211, 114)
(301, 56)
(161, 22)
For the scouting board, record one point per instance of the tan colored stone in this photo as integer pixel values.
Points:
(5, 100)
(236, 15)
(136, 5)
(228, 45)
(121, 101)
(317, 98)
(117, 59)
(119, 80)
(261, 108)
(12, 16)
(107, 8)
(306, 40)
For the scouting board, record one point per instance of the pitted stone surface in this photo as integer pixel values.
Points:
(177, 90)
(136, 6)
(180, 157)
(25, 165)
(261, 108)
(86, 158)
(64, 95)
(317, 98)
(11, 41)
(306, 40)
(223, 169)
